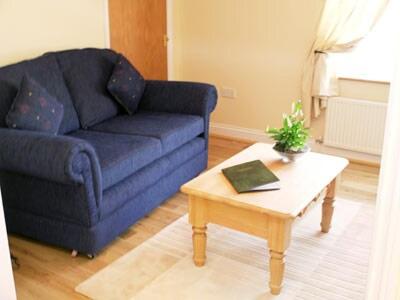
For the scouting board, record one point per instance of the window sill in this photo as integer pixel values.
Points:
(350, 78)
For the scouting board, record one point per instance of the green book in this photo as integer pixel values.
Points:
(251, 176)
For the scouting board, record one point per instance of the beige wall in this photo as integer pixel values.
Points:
(30, 27)
(256, 47)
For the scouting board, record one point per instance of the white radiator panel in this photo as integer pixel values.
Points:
(355, 124)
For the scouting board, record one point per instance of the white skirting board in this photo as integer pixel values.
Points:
(260, 136)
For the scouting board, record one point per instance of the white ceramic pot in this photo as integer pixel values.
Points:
(288, 157)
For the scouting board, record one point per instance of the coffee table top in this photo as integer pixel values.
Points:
(301, 181)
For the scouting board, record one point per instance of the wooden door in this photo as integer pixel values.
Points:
(138, 29)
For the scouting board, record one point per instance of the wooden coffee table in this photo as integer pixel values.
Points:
(268, 215)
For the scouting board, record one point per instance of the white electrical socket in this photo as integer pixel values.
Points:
(228, 92)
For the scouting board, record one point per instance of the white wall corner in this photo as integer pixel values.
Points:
(258, 135)
(7, 287)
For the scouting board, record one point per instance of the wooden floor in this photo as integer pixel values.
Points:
(50, 273)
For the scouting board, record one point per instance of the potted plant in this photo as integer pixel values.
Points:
(291, 140)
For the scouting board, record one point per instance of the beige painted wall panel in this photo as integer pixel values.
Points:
(257, 47)
(367, 90)
(29, 28)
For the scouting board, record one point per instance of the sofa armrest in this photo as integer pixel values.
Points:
(61, 159)
(179, 97)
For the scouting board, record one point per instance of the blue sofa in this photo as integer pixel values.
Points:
(81, 188)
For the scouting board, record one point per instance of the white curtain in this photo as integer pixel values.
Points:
(343, 23)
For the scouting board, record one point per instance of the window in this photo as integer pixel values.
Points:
(373, 57)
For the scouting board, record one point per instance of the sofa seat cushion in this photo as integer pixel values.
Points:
(173, 130)
(151, 175)
(120, 155)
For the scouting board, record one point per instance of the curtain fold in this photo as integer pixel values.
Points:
(343, 24)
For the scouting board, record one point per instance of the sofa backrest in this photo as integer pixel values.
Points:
(45, 70)
(77, 78)
(86, 73)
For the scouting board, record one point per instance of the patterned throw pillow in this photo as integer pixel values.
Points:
(126, 85)
(34, 109)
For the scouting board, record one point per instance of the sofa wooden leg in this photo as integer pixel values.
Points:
(74, 253)
(90, 256)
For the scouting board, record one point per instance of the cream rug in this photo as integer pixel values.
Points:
(318, 266)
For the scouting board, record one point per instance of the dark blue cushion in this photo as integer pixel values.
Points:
(86, 74)
(173, 130)
(35, 109)
(120, 155)
(149, 176)
(46, 72)
(126, 85)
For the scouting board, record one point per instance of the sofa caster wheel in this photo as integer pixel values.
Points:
(90, 256)
(74, 253)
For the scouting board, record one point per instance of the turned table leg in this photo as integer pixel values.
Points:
(328, 207)
(199, 245)
(279, 234)
(197, 217)
(277, 269)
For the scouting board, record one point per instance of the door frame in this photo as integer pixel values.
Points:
(170, 35)
(107, 38)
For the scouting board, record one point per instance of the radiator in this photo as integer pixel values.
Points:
(355, 124)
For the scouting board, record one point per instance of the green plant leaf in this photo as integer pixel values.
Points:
(293, 135)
